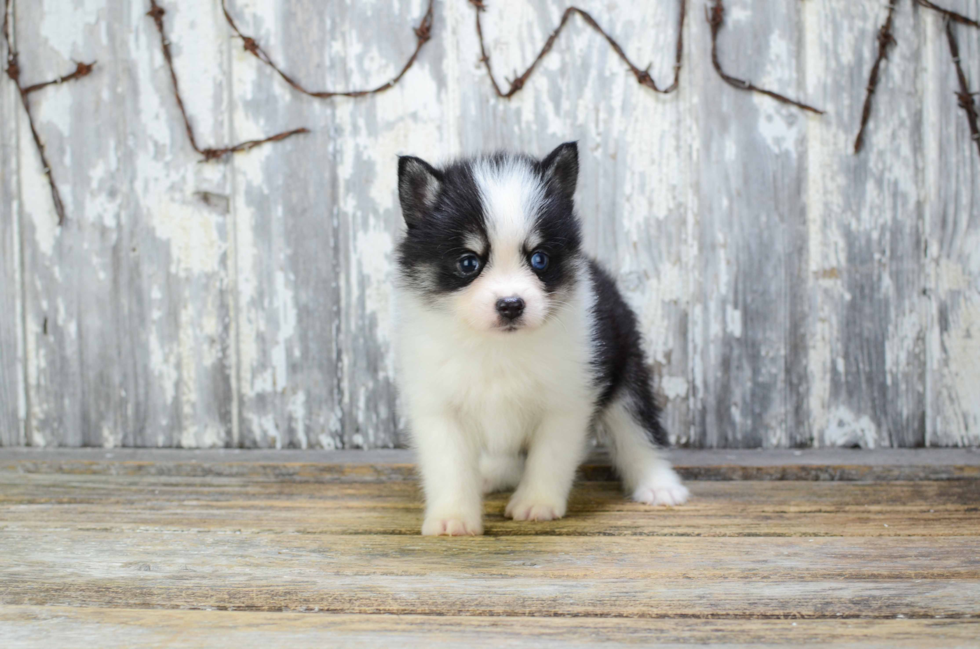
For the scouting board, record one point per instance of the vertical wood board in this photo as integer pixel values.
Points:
(13, 397)
(126, 310)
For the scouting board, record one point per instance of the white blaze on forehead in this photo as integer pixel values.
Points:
(511, 194)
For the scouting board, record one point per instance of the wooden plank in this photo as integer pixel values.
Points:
(317, 221)
(865, 221)
(26, 627)
(749, 323)
(268, 558)
(39, 501)
(828, 458)
(289, 271)
(952, 199)
(366, 138)
(544, 577)
(13, 405)
(399, 464)
(127, 317)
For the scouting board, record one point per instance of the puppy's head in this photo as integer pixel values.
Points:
(492, 240)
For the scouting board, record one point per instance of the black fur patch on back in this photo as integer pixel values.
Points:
(619, 361)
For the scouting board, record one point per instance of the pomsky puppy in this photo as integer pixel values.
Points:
(513, 345)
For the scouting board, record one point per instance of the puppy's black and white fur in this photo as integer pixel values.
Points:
(513, 345)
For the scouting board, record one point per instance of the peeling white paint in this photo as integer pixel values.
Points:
(38, 207)
(674, 387)
(959, 375)
(286, 308)
(195, 245)
(844, 428)
(163, 364)
(297, 415)
(733, 321)
(373, 252)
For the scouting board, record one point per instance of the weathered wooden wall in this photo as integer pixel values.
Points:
(792, 293)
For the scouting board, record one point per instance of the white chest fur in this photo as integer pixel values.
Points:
(497, 386)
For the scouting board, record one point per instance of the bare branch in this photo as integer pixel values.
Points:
(952, 15)
(967, 102)
(13, 72)
(716, 20)
(422, 35)
(885, 42)
(156, 12)
(642, 75)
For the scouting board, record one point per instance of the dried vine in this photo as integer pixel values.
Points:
(422, 34)
(967, 102)
(716, 20)
(13, 71)
(642, 76)
(952, 15)
(885, 41)
(156, 12)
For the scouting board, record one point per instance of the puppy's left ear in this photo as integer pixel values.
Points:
(418, 187)
(561, 168)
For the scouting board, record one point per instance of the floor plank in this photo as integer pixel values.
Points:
(287, 555)
(835, 464)
(25, 627)
(538, 576)
(740, 508)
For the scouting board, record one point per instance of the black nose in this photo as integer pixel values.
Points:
(510, 307)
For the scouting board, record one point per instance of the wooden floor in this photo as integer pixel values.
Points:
(115, 549)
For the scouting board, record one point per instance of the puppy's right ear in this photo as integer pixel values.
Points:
(418, 186)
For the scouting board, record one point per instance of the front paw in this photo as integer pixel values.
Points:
(530, 507)
(662, 488)
(452, 526)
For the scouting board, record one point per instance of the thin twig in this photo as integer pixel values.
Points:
(716, 20)
(13, 72)
(81, 70)
(964, 95)
(156, 12)
(642, 75)
(422, 34)
(886, 40)
(952, 15)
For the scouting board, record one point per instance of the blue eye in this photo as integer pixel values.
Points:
(539, 261)
(468, 264)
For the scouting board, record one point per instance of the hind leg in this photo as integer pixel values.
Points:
(646, 473)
